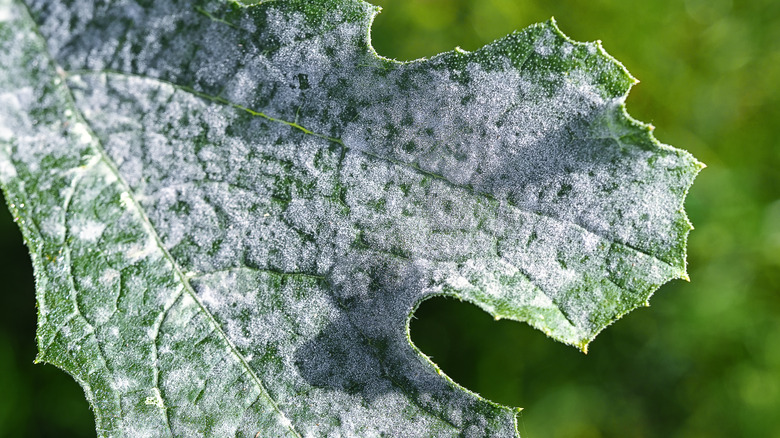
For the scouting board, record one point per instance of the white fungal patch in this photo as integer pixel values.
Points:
(109, 177)
(7, 169)
(5, 133)
(122, 384)
(126, 200)
(89, 231)
(285, 422)
(5, 12)
(108, 277)
(459, 282)
(81, 132)
(140, 251)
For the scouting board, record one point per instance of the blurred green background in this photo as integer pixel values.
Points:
(703, 361)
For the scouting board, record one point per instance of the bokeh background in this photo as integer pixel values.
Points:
(703, 361)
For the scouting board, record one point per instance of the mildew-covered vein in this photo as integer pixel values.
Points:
(155, 334)
(66, 251)
(466, 188)
(261, 270)
(150, 230)
(217, 99)
(213, 18)
(186, 286)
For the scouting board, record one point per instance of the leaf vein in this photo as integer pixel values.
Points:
(174, 266)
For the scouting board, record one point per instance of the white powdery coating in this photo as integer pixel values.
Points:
(5, 12)
(305, 228)
(81, 132)
(95, 309)
(89, 231)
(486, 176)
(430, 218)
(5, 133)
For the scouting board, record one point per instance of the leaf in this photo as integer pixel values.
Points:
(234, 209)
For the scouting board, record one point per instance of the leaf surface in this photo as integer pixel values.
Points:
(233, 209)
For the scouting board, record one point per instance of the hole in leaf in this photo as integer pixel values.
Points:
(500, 360)
(564, 393)
(411, 29)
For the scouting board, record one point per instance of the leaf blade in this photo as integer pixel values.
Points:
(340, 198)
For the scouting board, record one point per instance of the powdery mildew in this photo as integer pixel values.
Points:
(248, 203)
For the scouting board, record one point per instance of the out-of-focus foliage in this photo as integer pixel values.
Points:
(705, 361)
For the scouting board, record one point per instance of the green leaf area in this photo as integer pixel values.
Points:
(233, 209)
